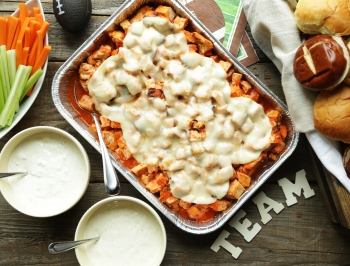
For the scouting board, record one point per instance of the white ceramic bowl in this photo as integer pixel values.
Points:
(131, 233)
(58, 171)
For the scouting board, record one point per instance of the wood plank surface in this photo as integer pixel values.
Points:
(302, 234)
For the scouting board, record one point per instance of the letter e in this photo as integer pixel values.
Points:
(242, 228)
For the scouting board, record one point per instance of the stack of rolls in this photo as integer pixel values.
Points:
(322, 63)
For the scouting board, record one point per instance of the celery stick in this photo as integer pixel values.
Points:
(12, 101)
(2, 80)
(11, 64)
(31, 81)
(4, 70)
(2, 101)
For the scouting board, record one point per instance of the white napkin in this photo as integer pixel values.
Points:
(274, 30)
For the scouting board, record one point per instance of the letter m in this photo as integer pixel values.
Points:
(289, 188)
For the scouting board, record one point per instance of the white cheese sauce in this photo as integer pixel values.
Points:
(195, 87)
(129, 235)
(55, 173)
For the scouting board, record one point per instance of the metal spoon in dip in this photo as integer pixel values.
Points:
(12, 174)
(59, 247)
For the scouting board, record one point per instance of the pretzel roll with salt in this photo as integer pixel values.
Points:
(322, 62)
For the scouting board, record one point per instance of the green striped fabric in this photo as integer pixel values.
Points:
(231, 10)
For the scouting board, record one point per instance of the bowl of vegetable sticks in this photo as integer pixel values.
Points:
(24, 54)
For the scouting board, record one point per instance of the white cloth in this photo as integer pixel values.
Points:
(274, 30)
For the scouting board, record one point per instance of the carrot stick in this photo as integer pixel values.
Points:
(27, 37)
(36, 10)
(25, 54)
(19, 52)
(12, 24)
(42, 58)
(37, 26)
(15, 37)
(40, 44)
(34, 27)
(22, 11)
(32, 54)
(3, 33)
(44, 27)
(24, 25)
(39, 18)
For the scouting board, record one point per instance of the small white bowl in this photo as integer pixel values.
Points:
(131, 233)
(58, 171)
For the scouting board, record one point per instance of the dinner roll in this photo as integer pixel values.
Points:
(332, 113)
(346, 161)
(322, 62)
(323, 16)
(347, 78)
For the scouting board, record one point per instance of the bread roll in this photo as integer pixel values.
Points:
(347, 78)
(322, 62)
(323, 16)
(346, 161)
(332, 113)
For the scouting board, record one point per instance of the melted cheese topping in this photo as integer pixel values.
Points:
(195, 87)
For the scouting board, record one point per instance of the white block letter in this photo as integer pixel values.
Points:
(262, 199)
(242, 228)
(221, 242)
(289, 188)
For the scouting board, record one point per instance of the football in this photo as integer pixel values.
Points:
(72, 15)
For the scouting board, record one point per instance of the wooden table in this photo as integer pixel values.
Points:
(301, 234)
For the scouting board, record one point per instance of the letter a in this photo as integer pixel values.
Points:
(262, 199)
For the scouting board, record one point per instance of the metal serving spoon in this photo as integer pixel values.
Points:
(59, 247)
(111, 181)
(11, 174)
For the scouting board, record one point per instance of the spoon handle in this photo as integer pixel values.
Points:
(58, 247)
(110, 176)
(11, 174)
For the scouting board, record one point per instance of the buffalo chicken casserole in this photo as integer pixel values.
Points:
(194, 130)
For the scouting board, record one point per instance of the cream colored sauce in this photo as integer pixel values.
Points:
(55, 173)
(129, 235)
(157, 131)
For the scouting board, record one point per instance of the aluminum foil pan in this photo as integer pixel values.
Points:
(60, 87)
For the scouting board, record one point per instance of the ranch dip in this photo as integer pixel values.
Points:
(55, 174)
(129, 235)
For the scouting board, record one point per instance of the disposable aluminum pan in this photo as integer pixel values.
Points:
(60, 88)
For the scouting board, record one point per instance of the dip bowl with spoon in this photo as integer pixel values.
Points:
(55, 167)
(130, 233)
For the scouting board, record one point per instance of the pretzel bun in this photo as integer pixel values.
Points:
(322, 62)
(332, 113)
(323, 17)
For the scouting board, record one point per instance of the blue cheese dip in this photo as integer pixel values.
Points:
(129, 235)
(56, 173)
(195, 88)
